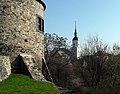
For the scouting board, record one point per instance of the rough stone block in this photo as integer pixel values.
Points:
(5, 67)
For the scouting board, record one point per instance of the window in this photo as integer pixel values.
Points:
(40, 24)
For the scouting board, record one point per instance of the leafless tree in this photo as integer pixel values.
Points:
(94, 55)
(53, 43)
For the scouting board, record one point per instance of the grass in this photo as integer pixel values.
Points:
(21, 84)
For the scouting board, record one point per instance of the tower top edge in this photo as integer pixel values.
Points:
(41, 2)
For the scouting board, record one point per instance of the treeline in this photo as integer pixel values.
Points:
(97, 70)
(101, 66)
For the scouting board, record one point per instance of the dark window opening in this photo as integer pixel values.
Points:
(40, 24)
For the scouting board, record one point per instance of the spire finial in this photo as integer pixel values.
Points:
(75, 30)
(75, 24)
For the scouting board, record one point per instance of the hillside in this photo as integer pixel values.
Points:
(21, 84)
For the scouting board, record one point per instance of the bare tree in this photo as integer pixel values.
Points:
(94, 55)
(111, 79)
(54, 42)
(116, 49)
(57, 54)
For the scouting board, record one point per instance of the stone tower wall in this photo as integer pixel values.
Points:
(19, 29)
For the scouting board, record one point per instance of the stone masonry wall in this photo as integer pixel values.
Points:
(18, 29)
(5, 67)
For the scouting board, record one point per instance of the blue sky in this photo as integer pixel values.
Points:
(93, 17)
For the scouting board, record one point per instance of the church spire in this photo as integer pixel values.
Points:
(75, 45)
(75, 33)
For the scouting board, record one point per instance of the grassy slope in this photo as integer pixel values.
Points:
(20, 84)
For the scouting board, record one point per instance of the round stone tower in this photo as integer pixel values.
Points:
(22, 35)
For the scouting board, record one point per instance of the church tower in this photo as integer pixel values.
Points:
(75, 46)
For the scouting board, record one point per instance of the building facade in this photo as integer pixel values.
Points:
(22, 35)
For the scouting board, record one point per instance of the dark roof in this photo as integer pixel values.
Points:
(75, 38)
(40, 1)
(75, 35)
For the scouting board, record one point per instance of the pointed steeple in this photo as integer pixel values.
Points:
(75, 33)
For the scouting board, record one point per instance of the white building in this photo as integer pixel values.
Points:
(75, 46)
